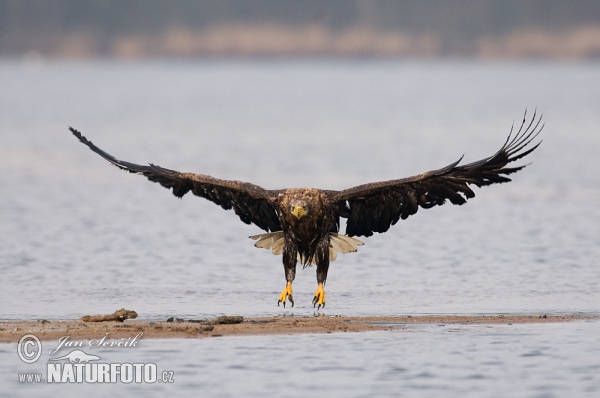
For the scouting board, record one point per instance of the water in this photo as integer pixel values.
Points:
(539, 360)
(81, 237)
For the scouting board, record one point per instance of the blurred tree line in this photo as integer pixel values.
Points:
(186, 27)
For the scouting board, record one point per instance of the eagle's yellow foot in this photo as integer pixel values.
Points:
(286, 295)
(319, 299)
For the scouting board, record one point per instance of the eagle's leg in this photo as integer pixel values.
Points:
(322, 268)
(289, 267)
(319, 299)
(286, 294)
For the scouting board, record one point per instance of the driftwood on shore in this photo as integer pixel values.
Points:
(225, 320)
(221, 320)
(117, 316)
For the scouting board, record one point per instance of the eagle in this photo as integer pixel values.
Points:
(302, 224)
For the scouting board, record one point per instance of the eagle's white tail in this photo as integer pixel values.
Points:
(337, 244)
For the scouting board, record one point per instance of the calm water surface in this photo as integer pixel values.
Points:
(427, 361)
(81, 237)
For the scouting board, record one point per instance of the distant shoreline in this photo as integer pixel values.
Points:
(264, 40)
(12, 331)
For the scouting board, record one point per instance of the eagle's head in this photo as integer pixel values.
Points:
(299, 205)
(299, 208)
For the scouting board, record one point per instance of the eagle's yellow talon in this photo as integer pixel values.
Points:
(286, 294)
(319, 299)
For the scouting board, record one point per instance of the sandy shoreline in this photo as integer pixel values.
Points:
(12, 331)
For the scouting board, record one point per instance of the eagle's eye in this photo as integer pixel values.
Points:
(298, 211)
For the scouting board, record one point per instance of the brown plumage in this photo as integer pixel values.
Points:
(303, 223)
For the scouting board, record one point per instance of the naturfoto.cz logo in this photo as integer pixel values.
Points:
(78, 366)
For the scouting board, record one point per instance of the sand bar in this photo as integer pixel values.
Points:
(12, 331)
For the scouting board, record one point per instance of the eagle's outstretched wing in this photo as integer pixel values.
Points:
(375, 207)
(253, 204)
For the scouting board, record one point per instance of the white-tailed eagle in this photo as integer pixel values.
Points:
(302, 224)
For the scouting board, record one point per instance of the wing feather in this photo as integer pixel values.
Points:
(252, 203)
(376, 206)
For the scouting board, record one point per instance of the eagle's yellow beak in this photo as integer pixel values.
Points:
(298, 211)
